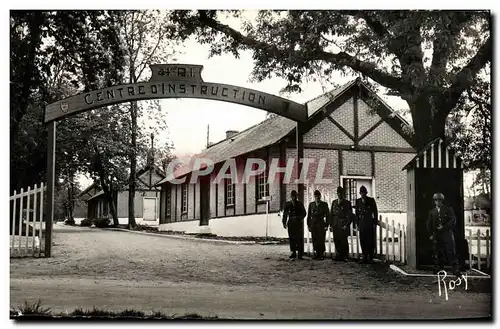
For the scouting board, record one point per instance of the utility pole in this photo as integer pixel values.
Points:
(208, 136)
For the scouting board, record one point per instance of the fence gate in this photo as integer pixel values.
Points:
(27, 226)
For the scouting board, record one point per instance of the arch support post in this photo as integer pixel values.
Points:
(51, 172)
(299, 142)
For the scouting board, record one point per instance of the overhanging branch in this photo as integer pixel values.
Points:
(465, 77)
(341, 58)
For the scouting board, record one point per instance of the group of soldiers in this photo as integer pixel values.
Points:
(338, 218)
(440, 226)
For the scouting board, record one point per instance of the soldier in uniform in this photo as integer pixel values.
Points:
(317, 222)
(366, 220)
(441, 226)
(293, 219)
(341, 217)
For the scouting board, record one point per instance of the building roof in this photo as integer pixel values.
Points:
(258, 136)
(267, 132)
(138, 174)
(98, 194)
(434, 155)
(315, 104)
(85, 191)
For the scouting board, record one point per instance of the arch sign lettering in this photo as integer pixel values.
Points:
(167, 81)
(175, 81)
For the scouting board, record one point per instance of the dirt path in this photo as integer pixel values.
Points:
(118, 270)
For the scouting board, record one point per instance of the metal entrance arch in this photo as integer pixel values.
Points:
(167, 81)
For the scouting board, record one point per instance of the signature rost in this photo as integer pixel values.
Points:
(451, 284)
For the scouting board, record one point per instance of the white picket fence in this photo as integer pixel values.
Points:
(479, 248)
(390, 239)
(27, 225)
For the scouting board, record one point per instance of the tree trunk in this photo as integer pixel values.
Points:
(133, 166)
(106, 187)
(427, 125)
(111, 202)
(70, 203)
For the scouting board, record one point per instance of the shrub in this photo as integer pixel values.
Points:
(33, 309)
(86, 222)
(102, 222)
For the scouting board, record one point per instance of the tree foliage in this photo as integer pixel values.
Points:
(48, 48)
(428, 58)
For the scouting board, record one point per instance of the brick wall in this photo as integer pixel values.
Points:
(366, 117)
(344, 115)
(390, 181)
(326, 132)
(384, 133)
(357, 163)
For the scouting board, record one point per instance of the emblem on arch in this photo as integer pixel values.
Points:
(64, 107)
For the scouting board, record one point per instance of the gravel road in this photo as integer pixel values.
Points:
(119, 270)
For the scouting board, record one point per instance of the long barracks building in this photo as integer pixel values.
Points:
(362, 139)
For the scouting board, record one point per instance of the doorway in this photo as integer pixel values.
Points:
(352, 184)
(149, 209)
(204, 200)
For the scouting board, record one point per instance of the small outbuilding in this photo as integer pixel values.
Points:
(435, 168)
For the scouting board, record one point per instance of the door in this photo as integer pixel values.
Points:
(427, 182)
(353, 184)
(149, 209)
(204, 200)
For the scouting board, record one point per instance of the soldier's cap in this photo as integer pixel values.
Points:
(363, 189)
(294, 193)
(438, 196)
(340, 189)
(317, 193)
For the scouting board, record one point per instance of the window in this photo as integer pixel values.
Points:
(229, 192)
(262, 186)
(184, 196)
(168, 200)
(351, 190)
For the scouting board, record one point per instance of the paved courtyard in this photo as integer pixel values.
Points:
(119, 270)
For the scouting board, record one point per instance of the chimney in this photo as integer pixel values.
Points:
(231, 133)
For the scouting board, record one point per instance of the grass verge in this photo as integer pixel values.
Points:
(35, 310)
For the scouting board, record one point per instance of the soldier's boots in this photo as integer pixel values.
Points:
(293, 255)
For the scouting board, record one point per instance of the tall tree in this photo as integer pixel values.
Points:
(428, 58)
(145, 40)
(83, 45)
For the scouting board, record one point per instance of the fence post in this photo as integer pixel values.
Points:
(392, 241)
(28, 217)
(357, 243)
(469, 245)
(380, 239)
(40, 233)
(404, 244)
(400, 238)
(20, 233)
(34, 218)
(386, 239)
(487, 248)
(478, 236)
(329, 242)
(351, 245)
(13, 234)
(307, 227)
